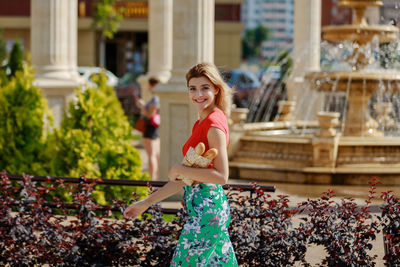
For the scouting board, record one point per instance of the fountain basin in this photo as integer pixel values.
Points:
(360, 81)
(344, 147)
(359, 87)
(291, 158)
(361, 34)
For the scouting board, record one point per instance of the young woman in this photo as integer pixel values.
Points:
(151, 140)
(204, 240)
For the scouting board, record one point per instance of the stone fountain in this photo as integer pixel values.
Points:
(346, 147)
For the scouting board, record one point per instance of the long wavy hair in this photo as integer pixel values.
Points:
(223, 99)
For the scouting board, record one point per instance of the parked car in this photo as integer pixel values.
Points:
(89, 72)
(243, 83)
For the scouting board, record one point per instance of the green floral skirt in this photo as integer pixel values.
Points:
(204, 240)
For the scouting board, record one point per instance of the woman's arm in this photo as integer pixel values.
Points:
(139, 207)
(219, 173)
(149, 112)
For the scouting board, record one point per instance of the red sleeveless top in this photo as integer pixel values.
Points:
(215, 119)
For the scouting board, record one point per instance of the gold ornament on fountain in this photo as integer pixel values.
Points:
(360, 32)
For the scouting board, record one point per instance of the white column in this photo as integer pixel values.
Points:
(160, 39)
(160, 44)
(193, 42)
(372, 14)
(306, 45)
(54, 50)
(306, 42)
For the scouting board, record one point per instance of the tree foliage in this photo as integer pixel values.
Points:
(95, 139)
(252, 41)
(285, 63)
(23, 109)
(3, 58)
(3, 50)
(15, 62)
(106, 17)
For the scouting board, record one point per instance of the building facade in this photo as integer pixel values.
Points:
(277, 16)
(127, 51)
(390, 12)
(333, 14)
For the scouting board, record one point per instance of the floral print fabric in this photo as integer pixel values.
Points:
(204, 240)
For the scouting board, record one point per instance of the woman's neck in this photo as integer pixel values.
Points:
(205, 113)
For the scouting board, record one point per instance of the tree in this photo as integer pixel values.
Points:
(261, 34)
(22, 127)
(3, 57)
(15, 61)
(252, 41)
(95, 138)
(106, 18)
(3, 50)
(285, 62)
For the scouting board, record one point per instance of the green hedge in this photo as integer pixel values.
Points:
(22, 127)
(94, 138)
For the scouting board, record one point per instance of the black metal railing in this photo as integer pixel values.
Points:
(98, 181)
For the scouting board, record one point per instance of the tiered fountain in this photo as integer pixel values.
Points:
(344, 147)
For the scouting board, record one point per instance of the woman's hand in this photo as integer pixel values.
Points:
(174, 173)
(135, 210)
(139, 102)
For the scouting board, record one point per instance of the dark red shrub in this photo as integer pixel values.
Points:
(261, 230)
(31, 232)
(344, 229)
(34, 231)
(390, 222)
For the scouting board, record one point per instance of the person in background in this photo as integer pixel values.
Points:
(151, 139)
(204, 240)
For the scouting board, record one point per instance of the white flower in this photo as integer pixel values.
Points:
(186, 243)
(225, 247)
(194, 226)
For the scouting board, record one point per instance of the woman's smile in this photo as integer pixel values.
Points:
(202, 93)
(200, 100)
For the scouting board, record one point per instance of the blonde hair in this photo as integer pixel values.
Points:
(223, 100)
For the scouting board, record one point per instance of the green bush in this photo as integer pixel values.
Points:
(22, 128)
(95, 139)
(15, 62)
(3, 49)
(3, 57)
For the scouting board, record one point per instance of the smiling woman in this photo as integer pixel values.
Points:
(204, 239)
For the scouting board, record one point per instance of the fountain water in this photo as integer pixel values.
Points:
(357, 132)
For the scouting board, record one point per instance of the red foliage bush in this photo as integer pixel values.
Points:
(344, 229)
(32, 232)
(390, 222)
